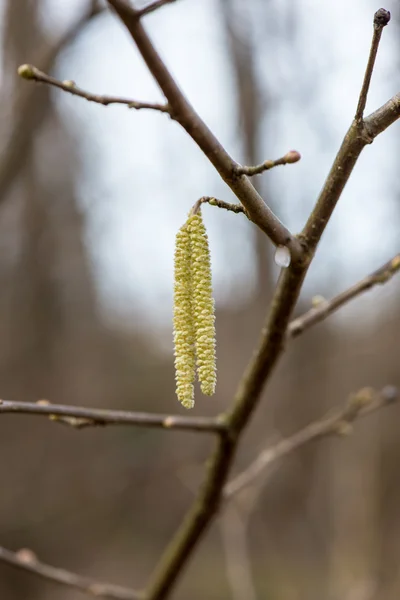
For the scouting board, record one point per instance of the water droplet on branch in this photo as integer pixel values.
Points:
(282, 256)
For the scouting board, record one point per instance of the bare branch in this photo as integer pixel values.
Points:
(327, 307)
(152, 7)
(360, 405)
(381, 19)
(80, 417)
(184, 113)
(357, 137)
(32, 73)
(26, 560)
(290, 157)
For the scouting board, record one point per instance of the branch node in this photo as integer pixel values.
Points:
(344, 428)
(27, 71)
(390, 394)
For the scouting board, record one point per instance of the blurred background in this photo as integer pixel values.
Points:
(91, 199)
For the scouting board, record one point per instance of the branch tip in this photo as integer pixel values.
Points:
(289, 158)
(27, 71)
(68, 85)
(381, 18)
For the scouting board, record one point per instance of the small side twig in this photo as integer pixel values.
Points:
(359, 405)
(381, 19)
(80, 417)
(152, 7)
(34, 74)
(26, 560)
(327, 307)
(290, 157)
(236, 208)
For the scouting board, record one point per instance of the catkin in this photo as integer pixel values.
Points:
(194, 328)
(203, 305)
(184, 320)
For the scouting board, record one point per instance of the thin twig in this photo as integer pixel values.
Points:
(236, 208)
(32, 73)
(80, 417)
(290, 157)
(152, 7)
(381, 19)
(188, 118)
(327, 307)
(361, 404)
(26, 560)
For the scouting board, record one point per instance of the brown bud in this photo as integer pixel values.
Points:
(292, 156)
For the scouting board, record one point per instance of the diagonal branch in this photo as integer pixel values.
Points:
(80, 417)
(365, 402)
(188, 118)
(32, 73)
(152, 7)
(27, 561)
(327, 307)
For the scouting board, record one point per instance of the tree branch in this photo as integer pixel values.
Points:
(290, 157)
(184, 113)
(236, 208)
(27, 561)
(327, 307)
(80, 417)
(360, 405)
(381, 19)
(32, 73)
(152, 7)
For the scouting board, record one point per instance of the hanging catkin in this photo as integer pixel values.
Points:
(203, 305)
(184, 320)
(194, 320)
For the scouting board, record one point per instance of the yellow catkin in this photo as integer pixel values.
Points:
(184, 337)
(202, 304)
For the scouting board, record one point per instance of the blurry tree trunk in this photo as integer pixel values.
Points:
(251, 107)
(50, 310)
